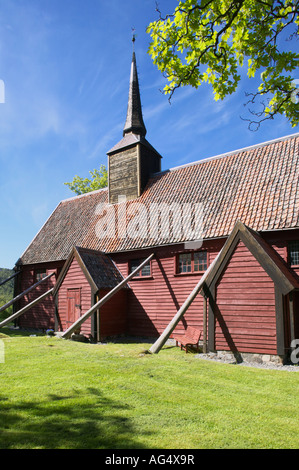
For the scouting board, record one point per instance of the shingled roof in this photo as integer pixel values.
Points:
(98, 268)
(66, 227)
(257, 185)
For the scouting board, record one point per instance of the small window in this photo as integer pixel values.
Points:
(294, 253)
(192, 262)
(145, 271)
(40, 274)
(200, 261)
(185, 263)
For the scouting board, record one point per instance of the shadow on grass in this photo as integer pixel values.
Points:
(93, 422)
(13, 332)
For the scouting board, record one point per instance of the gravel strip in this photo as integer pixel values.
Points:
(265, 365)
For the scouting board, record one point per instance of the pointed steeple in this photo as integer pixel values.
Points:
(133, 159)
(134, 122)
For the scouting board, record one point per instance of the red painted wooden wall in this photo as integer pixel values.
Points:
(152, 302)
(74, 279)
(245, 306)
(41, 316)
(113, 314)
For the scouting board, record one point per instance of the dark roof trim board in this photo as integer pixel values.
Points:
(267, 257)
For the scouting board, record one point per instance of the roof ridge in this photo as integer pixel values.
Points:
(226, 154)
(85, 194)
(89, 250)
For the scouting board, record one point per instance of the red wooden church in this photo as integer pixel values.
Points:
(243, 204)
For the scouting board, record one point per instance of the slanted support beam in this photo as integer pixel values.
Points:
(205, 324)
(101, 302)
(157, 346)
(292, 318)
(25, 292)
(24, 309)
(9, 278)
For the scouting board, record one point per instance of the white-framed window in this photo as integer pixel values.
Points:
(194, 262)
(293, 252)
(145, 271)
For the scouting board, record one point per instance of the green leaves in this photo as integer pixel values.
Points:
(99, 180)
(209, 40)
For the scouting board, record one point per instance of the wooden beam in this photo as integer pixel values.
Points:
(157, 346)
(8, 279)
(4, 307)
(279, 321)
(24, 309)
(101, 302)
(205, 323)
(292, 319)
(211, 318)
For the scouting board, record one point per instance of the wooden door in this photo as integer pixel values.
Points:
(73, 306)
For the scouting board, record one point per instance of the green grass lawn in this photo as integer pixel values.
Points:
(62, 394)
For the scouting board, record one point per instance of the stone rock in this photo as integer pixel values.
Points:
(266, 358)
(80, 338)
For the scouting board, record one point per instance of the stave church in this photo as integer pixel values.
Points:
(232, 219)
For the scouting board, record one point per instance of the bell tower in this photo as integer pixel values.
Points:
(133, 159)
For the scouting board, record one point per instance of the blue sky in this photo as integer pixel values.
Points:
(65, 65)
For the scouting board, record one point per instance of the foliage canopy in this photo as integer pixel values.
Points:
(98, 180)
(210, 40)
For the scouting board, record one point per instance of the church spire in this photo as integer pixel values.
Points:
(134, 122)
(133, 160)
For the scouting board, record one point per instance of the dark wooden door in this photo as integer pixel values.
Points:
(73, 306)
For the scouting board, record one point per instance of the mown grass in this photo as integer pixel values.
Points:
(62, 394)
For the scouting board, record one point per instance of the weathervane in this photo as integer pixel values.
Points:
(133, 37)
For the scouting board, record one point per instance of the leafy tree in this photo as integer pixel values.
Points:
(209, 40)
(98, 180)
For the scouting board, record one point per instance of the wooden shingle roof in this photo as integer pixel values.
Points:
(258, 186)
(98, 268)
(66, 227)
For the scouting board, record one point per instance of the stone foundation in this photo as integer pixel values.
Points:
(248, 357)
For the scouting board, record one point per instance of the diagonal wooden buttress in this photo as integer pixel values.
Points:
(157, 346)
(101, 302)
(18, 297)
(26, 308)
